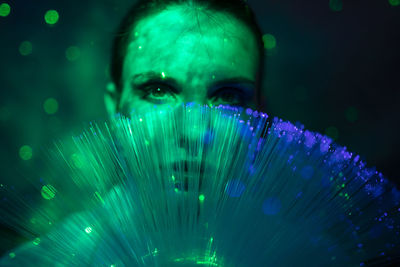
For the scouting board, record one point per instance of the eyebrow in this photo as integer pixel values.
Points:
(244, 83)
(154, 77)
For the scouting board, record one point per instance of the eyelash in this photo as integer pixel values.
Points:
(148, 89)
(236, 92)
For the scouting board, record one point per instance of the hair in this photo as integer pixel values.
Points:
(143, 8)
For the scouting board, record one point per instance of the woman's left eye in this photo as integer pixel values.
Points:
(230, 95)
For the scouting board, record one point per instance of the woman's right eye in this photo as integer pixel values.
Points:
(158, 94)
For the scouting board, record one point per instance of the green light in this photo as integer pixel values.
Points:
(201, 198)
(336, 5)
(351, 113)
(98, 197)
(50, 106)
(12, 255)
(88, 230)
(269, 41)
(25, 48)
(332, 132)
(77, 160)
(36, 241)
(163, 75)
(51, 17)
(72, 53)
(25, 152)
(394, 2)
(4, 10)
(48, 192)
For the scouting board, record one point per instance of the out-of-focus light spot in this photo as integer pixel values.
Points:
(394, 2)
(25, 48)
(332, 132)
(336, 5)
(163, 74)
(5, 10)
(136, 34)
(271, 206)
(269, 41)
(72, 53)
(140, 47)
(11, 255)
(36, 241)
(351, 113)
(48, 192)
(88, 230)
(201, 198)
(50, 105)
(51, 17)
(25, 152)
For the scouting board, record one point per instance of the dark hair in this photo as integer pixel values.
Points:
(143, 8)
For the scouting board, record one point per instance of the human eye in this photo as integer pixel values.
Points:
(158, 93)
(230, 95)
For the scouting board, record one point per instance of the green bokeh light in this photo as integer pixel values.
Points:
(88, 230)
(25, 152)
(25, 48)
(48, 192)
(269, 41)
(394, 2)
(50, 106)
(5, 10)
(11, 255)
(351, 114)
(73, 53)
(332, 132)
(336, 5)
(201, 198)
(36, 241)
(51, 17)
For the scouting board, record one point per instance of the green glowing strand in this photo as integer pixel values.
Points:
(211, 187)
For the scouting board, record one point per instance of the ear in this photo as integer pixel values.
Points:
(111, 99)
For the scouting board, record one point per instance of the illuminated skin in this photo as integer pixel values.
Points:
(186, 54)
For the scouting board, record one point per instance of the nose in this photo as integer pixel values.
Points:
(194, 131)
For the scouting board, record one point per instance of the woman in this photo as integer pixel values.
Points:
(175, 51)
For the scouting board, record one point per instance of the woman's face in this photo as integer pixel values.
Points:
(184, 54)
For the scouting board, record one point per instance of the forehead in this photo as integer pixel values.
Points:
(191, 45)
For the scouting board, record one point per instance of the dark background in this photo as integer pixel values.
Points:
(335, 68)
